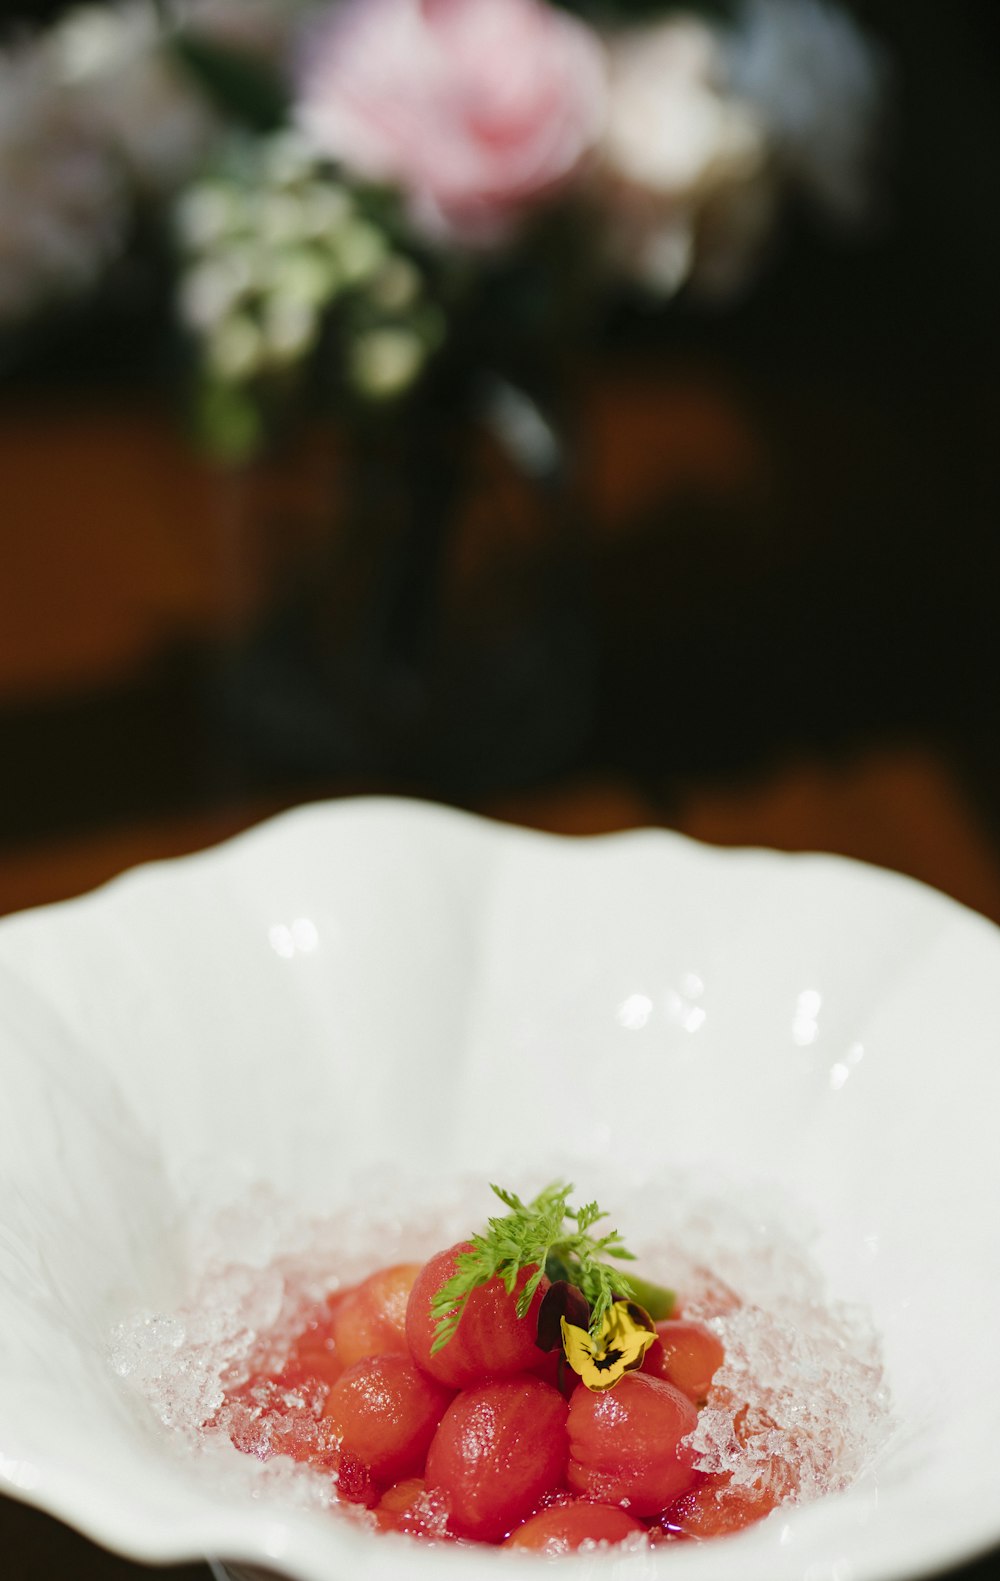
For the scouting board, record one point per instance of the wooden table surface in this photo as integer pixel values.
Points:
(100, 578)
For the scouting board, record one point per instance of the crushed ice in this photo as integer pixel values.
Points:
(800, 1404)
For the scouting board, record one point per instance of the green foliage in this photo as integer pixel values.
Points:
(548, 1236)
(228, 422)
(622, 13)
(297, 293)
(242, 87)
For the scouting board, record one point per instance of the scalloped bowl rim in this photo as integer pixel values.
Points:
(134, 1523)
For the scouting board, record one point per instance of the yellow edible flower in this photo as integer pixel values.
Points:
(626, 1334)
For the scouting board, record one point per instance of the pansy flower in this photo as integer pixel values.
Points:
(626, 1333)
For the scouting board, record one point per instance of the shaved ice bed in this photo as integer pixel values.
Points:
(294, 1349)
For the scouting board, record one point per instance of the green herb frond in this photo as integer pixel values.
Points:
(546, 1235)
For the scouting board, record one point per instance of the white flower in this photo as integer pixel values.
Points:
(669, 128)
(89, 109)
(820, 88)
(62, 200)
(385, 361)
(675, 147)
(113, 60)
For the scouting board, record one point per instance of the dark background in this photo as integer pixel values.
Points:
(856, 601)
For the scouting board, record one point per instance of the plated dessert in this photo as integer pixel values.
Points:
(529, 1387)
(201, 1153)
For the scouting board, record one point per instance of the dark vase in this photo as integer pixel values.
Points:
(437, 637)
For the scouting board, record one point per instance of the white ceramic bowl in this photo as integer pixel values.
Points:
(380, 979)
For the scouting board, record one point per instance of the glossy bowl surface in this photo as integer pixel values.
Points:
(381, 979)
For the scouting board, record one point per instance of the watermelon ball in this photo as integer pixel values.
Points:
(370, 1318)
(687, 1354)
(407, 1506)
(717, 1508)
(500, 1447)
(385, 1412)
(490, 1341)
(626, 1444)
(564, 1528)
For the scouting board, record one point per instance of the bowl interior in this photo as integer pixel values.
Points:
(379, 983)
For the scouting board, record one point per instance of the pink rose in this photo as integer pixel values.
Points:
(476, 108)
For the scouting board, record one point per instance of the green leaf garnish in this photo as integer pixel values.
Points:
(548, 1236)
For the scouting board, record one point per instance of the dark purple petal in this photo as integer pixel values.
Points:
(561, 1300)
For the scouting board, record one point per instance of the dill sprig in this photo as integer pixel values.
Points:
(547, 1235)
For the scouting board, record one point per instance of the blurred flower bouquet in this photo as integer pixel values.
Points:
(415, 213)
